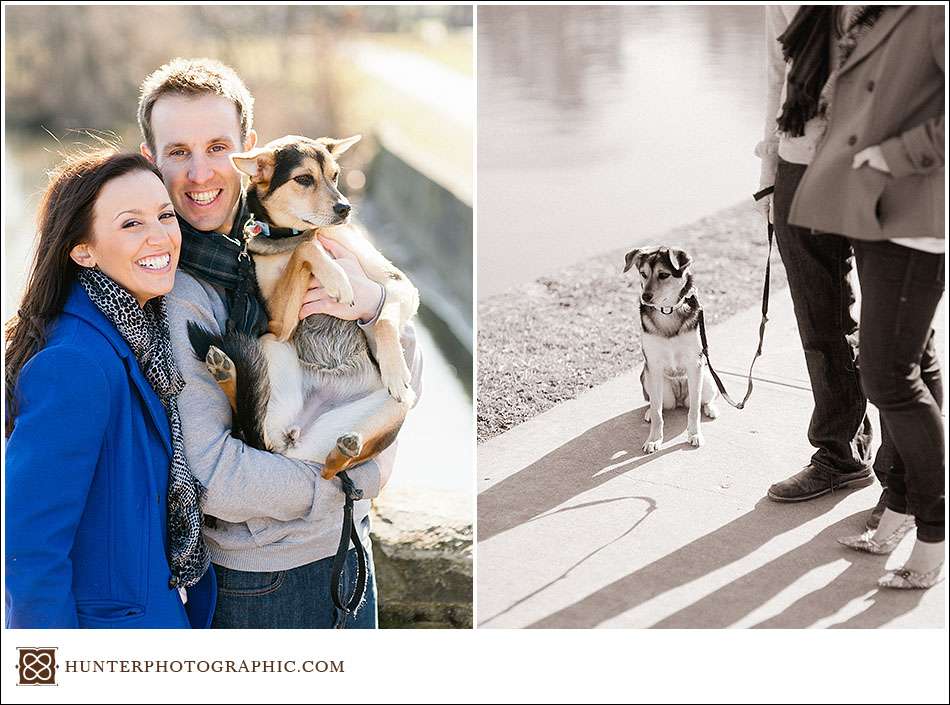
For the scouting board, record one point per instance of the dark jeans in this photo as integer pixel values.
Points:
(900, 291)
(887, 462)
(817, 266)
(289, 599)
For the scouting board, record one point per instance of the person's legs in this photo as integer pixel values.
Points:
(901, 289)
(817, 266)
(888, 466)
(298, 598)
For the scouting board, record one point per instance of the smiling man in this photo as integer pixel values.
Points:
(272, 523)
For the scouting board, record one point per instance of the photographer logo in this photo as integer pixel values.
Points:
(37, 666)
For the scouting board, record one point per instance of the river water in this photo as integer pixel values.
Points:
(602, 127)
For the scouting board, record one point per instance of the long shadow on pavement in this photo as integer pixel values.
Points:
(731, 542)
(574, 468)
(852, 589)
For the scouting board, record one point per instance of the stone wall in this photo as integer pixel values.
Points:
(422, 548)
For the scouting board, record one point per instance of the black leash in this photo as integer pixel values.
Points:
(345, 607)
(765, 317)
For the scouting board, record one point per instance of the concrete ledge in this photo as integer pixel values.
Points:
(422, 547)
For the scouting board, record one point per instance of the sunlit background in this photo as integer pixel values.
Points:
(601, 127)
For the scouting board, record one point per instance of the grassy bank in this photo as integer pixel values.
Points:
(552, 339)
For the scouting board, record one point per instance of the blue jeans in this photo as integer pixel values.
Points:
(298, 598)
(900, 291)
(817, 266)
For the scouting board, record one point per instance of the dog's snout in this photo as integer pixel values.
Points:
(648, 296)
(342, 209)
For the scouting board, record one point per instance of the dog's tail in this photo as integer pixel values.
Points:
(244, 381)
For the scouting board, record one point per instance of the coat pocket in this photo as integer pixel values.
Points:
(871, 209)
(909, 206)
(109, 614)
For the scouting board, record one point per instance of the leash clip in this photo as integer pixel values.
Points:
(352, 492)
(250, 230)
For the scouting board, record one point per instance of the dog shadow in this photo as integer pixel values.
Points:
(611, 448)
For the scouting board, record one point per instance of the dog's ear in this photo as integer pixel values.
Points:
(630, 259)
(258, 164)
(337, 147)
(678, 260)
(634, 256)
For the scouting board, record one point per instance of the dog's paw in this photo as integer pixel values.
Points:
(652, 446)
(695, 439)
(350, 444)
(710, 410)
(219, 364)
(396, 379)
(646, 415)
(338, 288)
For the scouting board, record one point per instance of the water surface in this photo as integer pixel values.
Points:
(602, 127)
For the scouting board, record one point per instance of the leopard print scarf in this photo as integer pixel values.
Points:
(145, 329)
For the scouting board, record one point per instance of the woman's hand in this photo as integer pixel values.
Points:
(366, 292)
(873, 157)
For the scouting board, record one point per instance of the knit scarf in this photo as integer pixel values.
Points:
(214, 258)
(806, 45)
(146, 331)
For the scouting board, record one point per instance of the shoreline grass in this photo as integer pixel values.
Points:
(552, 339)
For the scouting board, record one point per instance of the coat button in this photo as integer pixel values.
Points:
(852, 140)
(926, 161)
(870, 86)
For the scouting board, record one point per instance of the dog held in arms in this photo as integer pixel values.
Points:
(674, 372)
(294, 185)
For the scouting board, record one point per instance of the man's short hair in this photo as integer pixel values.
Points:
(193, 77)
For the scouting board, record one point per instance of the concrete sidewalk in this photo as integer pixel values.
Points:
(577, 528)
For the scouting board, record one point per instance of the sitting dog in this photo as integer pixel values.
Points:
(294, 184)
(674, 372)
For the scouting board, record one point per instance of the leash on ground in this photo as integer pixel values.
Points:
(765, 317)
(345, 607)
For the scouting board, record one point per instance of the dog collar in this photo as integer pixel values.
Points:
(258, 228)
(668, 310)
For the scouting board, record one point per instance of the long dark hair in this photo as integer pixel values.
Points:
(64, 221)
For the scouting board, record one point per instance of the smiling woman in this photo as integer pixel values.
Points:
(137, 247)
(103, 516)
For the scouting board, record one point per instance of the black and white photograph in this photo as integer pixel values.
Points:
(672, 434)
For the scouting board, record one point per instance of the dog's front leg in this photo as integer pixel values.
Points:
(655, 384)
(694, 377)
(384, 338)
(331, 275)
(284, 303)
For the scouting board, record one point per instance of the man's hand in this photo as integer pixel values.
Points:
(873, 157)
(764, 207)
(366, 292)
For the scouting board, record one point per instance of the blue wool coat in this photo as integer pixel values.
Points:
(86, 483)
